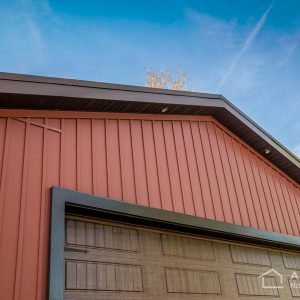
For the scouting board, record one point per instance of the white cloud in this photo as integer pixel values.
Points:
(247, 44)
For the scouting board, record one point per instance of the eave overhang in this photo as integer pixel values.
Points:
(47, 93)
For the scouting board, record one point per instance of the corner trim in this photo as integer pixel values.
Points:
(68, 201)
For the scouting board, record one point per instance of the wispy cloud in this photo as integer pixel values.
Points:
(45, 5)
(292, 44)
(247, 44)
(34, 16)
(36, 36)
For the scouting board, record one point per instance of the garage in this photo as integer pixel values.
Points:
(121, 192)
(110, 261)
(107, 257)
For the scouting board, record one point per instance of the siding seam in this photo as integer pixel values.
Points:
(258, 196)
(285, 205)
(188, 168)
(156, 162)
(250, 190)
(241, 184)
(42, 215)
(167, 162)
(145, 164)
(206, 171)
(120, 157)
(291, 208)
(23, 200)
(94, 167)
(233, 183)
(223, 172)
(276, 194)
(215, 170)
(133, 165)
(197, 167)
(4, 170)
(178, 169)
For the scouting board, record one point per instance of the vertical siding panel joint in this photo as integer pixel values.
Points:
(23, 199)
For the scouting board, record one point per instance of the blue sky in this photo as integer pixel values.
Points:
(247, 50)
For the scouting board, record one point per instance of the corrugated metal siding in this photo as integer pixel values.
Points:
(192, 167)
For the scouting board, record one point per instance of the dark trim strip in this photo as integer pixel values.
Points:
(67, 201)
(57, 241)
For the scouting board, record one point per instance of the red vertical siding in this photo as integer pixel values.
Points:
(113, 159)
(173, 174)
(139, 165)
(163, 173)
(192, 166)
(99, 157)
(151, 165)
(12, 190)
(193, 169)
(127, 165)
(211, 171)
(219, 170)
(209, 211)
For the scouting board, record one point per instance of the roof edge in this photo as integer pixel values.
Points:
(32, 85)
(102, 85)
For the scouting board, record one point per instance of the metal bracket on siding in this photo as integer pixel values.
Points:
(28, 120)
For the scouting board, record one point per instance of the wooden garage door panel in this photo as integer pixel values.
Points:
(251, 256)
(103, 276)
(250, 285)
(101, 236)
(106, 260)
(187, 247)
(192, 281)
(291, 261)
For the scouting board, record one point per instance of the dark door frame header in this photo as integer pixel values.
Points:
(68, 201)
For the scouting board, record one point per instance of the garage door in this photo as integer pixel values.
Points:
(106, 260)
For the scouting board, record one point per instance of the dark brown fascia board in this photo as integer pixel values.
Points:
(98, 85)
(11, 83)
(86, 90)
